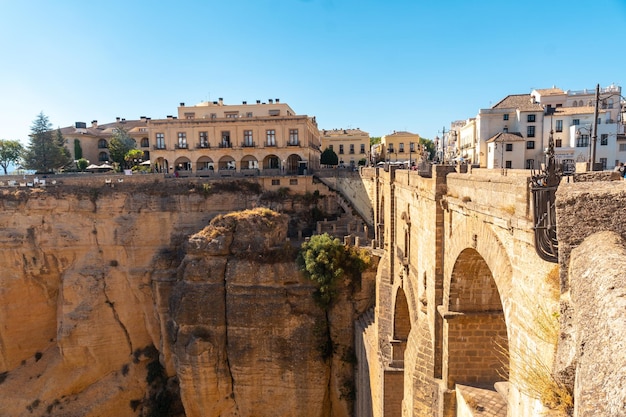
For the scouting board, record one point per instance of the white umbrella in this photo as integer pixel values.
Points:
(145, 163)
(105, 166)
(92, 166)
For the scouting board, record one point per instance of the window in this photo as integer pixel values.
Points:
(508, 164)
(362, 148)
(182, 140)
(530, 164)
(604, 139)
(293, 137)
(231, 115)
(603, 162)
(582, 141)
(102, 144)
(225, 143)
(213, 116)
(249, 114)
(559, 126)
(575, 103)
(509, 147)
(505, 117)
(330, 147)
(505, 130)
(412, 147)
(530, 144)
(622, 147)
(352, 148)
(401, 147)
(103, 157)
(145, 143)
(270, 136)
(274, 112)
(576, 122)
(293, 181)
(204, 139)
(610, 106)
(160, 141)
(530, 131)
(558, 143)
(275, 182)
(390, 149)
(247, 138)
(530, 118)
(599, 121)
(340, 149)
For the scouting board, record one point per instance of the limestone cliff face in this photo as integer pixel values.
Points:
(90, 280)
(242, 324)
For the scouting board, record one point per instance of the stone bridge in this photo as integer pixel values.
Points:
(469, 320)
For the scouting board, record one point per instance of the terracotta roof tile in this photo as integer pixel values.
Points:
(523, 102)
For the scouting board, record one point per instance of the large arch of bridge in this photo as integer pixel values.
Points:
(477, 289)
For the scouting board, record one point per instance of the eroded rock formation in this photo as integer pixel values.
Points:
(107, 305)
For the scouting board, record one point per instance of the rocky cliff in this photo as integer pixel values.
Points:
(120, 302)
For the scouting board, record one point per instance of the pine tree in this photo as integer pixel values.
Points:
(46, 152)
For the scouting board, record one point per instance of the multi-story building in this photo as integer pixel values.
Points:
(514, 133)
(215, 138)
(400, 147)
(212, 138)
(92, 142)
(350, 145)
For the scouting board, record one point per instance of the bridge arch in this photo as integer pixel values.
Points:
(475, 307)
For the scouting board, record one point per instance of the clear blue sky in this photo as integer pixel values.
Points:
(379, 65)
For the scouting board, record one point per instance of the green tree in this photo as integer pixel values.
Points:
(329, 157)
(10, 153)
(430, 147)
(133, 157)
(374, 140)
(324, 259)
(63, 158)
(78, 150)
(46, 152)
(81, 164)
(121, 143)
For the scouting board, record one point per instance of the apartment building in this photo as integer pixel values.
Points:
(514, 133)
(92, 141)
(400, 147)
(213, 138)
(350, 145)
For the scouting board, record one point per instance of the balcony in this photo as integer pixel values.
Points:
(226, 145)
(248, 145)
(293, 143)
(159, 147)
(180, 146)
(203, 145)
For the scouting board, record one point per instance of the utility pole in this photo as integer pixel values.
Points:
(594, 133)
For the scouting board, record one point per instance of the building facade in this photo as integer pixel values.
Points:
(92, 142)
(514, 133)
(350, 145)
(400, 147)
(212, 138)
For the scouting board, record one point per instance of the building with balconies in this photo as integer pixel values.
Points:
(401, 147)
(213, 138)
(514, 133)
(350, 145)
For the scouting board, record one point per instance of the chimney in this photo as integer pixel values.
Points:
(169, 116)
(182, 104)
(143, 118)
(221, 101)
(244, 102)
(258, 102)
(94, 123)
(270, 101)
(117, 119)
(277, 100)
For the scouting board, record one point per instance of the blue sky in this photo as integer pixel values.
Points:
(379, 65)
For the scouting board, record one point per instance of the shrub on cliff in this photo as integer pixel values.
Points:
(324, 260)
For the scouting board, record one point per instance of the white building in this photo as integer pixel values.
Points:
(514, 132)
